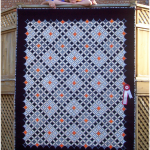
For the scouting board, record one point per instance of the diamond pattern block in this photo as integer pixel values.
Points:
(74, 83)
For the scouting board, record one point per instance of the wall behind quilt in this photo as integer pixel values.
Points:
(7, 3)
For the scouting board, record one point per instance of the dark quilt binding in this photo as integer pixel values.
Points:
(70, 66)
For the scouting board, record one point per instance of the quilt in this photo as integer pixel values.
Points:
(75, 79)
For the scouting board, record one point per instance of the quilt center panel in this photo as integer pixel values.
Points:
(74, 83)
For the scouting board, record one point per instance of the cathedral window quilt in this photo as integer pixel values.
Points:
(75, 79)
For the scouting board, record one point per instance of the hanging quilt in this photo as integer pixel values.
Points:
(75, 79)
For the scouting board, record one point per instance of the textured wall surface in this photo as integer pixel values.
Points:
(9, 3)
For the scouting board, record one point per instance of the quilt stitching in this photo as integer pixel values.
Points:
(74, 83)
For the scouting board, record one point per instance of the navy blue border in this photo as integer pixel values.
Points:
(71, 14)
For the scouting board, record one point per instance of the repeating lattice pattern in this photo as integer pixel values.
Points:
(9, 19)
(143, 16)
(143, 123)
(7, 118)
(73, 96)
(7, 124)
